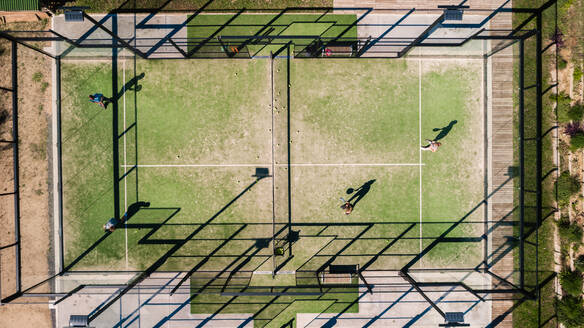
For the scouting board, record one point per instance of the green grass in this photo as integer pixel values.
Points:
(229, 125)
(570, 311)
(87, 163)
(532, 313)
(219, 112)
(571, 282)
(276, 310)
(107, 5)
(343, 114)
(211, 26)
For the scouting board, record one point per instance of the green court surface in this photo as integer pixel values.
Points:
(190, 135)
(197, 141)
(207, 28)
(276, 311)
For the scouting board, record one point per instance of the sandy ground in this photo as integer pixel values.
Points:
(34, 112)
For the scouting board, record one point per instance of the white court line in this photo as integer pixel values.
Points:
(125, 162)
(273, 241)
(269, 164)
(420, 150)
(353, 164)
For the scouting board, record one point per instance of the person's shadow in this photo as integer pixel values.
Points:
(359, 192)
(131, 85)
(133, 209)
(444, 131)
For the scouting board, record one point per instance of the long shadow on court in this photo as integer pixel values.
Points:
(132, 210)
(176, 245)
(442, 237)
(213, 35)
(496, 321)
(490, 259)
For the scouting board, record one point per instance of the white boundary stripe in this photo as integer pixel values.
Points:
(269, 164)
(125, 161)
(420, 149)
(273, 169)
(353, 164)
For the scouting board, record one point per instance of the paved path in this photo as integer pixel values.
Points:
(393, 304)
(420, 4)
(127, 30)
(501, 127)
(409, 26)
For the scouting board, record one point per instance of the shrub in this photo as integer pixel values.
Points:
(4, 116)
(558, 38)
(571, 282)
(569, 232)
(577, 74)
(37, 76)
(567, 185)
(564, 149)
(577, 141)
(562, 63)
(564, 6)
(570, 311)
(563, 108)
(579, 263)
(573, 128)
(575, 112)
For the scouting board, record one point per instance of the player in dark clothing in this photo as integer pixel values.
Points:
(99, 99)
(111, 225)
(114, 223)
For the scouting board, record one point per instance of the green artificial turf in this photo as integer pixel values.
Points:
(208, 27)
(275, 310)
(180, 113)
(347, 114)
(87, 162)
(225, 118)
(539, 247)
(456, 173)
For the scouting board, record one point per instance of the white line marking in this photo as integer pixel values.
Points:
(277, 273)
(269, 164)
(273, 171)
(353, 164)
(125, 162)
(420, 150)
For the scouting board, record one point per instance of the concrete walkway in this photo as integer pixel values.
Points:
(420, 4)
(144, 38)
(393, 304)
(501, 144)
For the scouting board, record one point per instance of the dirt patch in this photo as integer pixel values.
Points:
(26, 315)
(34, 108)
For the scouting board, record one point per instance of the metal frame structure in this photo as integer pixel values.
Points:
(16, 245)
(361, 48)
